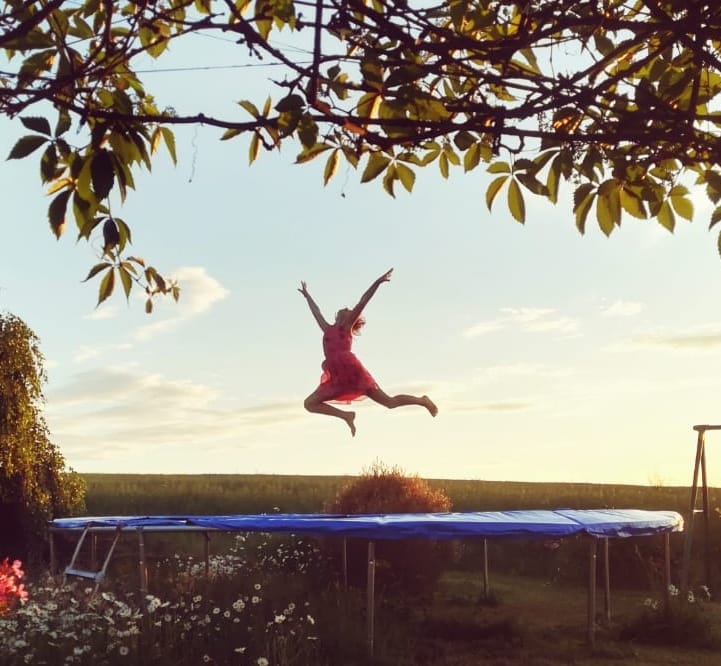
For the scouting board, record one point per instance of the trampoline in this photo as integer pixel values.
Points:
(595, 524)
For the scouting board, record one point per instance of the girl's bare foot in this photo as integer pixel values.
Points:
(350, 420)
(430, 405)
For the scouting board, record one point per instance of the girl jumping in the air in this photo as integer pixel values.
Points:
(344, 378)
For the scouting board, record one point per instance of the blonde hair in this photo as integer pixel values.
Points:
(358, 324)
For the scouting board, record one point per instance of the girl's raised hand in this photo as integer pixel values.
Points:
(303, 288)
(386, 276)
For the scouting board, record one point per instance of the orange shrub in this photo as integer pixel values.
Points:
(411, 565)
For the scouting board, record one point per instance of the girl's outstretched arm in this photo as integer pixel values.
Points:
(358, 309)
(315, 310)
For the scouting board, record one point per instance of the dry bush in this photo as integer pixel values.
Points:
(410, 565)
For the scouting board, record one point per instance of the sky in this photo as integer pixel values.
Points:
(552, 356)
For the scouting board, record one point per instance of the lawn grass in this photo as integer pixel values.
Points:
(531, 622)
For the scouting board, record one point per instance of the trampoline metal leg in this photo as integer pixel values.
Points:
(667, 569)
(206, 554)
(370, 601)
(53, 554)
(606, 582)
(486, 586)
(591, 610)
(141, 563)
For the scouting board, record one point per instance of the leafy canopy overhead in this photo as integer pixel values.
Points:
(618, 98)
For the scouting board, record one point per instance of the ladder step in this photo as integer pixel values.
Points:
(93, 575)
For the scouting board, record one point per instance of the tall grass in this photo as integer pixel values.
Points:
(115, 494)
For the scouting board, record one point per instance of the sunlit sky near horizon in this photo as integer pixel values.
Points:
(552, 356)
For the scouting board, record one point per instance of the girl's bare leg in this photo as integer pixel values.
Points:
(402, 400)
(313, 404)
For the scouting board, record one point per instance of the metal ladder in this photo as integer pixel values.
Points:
(695, 509)
(96, 576)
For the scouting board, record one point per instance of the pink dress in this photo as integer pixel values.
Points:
(344, 378)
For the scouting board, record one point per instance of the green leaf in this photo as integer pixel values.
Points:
(81, 29)
(666, 217)
(37, 124)
(683, 207)
(331, 166)
(307, 131)
(289, 103)
(515, 201)
(532, 184)
(107, 284)
(169, 139)
(493, 190)
(126, 280)
(251, 108)
(499, 167)
(608, 205)
(56, 212)
(582, 201)
(230, 134)
(678, 191)
(111, 235)
(377, 163)
(26, 145)
(464, 140)
(443, 165)
(604, 45)
(149, 305)
(389, 179)
(102, 174)
(633, 204)
(451, 155)
(406, 176)
(311, 153)
(125, 235)
(472, 157)
(553, 179)
(715, 217)
(604, 214)
(49, 164)
(540, 160)
(713, 179)
(96, 269)
(254, 148)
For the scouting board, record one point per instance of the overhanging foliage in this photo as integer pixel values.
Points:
(618, 98)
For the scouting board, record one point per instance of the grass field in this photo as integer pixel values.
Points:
(208, 493)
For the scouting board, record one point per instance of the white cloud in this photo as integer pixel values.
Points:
(532, 320)
(690, 341)
(695, 339)
(86, 353)
(104, 311)
(527, 315)
(198, 293)
(514, 370)
(621, 309)
(491, 406)
(107, 411)
(483, 327)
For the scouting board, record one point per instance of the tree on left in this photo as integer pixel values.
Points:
(35, 485)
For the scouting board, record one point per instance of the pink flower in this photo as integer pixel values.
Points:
(10, 589)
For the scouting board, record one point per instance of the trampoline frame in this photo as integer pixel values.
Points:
(89, 526)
